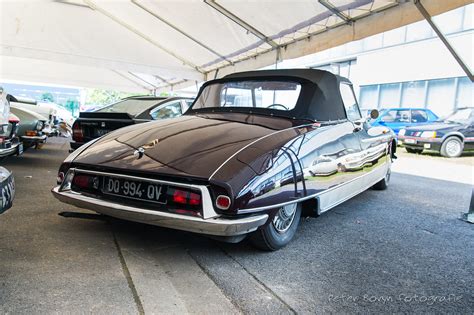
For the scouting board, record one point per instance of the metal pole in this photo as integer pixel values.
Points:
(469, 217)
(441, 36)
(177, 29)
(249, 28)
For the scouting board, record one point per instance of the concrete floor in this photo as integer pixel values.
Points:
(400, 250)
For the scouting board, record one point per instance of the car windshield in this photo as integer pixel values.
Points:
(244, 96)
(461, 115)
(129, 106)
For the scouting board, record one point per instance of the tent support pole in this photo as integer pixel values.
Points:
(177, 29)
(469, 217)
(249, 28)
(443, 38)
(335, 11)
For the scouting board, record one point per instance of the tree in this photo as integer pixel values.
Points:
(104, 97)
(47, 97)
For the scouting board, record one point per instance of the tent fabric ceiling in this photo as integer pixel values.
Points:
(146, 45)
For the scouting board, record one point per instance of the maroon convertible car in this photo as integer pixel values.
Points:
(253, 152)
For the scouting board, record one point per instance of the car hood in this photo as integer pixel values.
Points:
(189, 146)
(26, 114)
(433, 126)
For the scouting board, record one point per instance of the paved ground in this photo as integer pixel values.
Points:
(396, 251)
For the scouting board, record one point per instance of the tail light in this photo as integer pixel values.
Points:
(2, 139)
(60, 178)
(184, 197)
(77, 134)
(13, 120)
(82, 181)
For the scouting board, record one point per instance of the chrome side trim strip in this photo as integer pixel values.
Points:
(214, 226)
(331, 198)
(251, 143)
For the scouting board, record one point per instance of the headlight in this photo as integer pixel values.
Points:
(402, 132)
(39, 125)
(428, 134)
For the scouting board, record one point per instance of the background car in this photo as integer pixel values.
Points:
(449, 136)
(128, 111)
(7, 189)
(9, 142)
(47, 110)
(233, 166)
(399, 118)
(30, 130)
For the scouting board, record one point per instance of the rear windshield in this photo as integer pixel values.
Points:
(461, 115)
(247, 95)
(131, 106)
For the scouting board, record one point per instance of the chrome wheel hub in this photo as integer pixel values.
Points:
(284, 217)
(453, 148)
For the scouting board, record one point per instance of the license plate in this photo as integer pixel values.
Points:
(410, 141)
(101, 132)
(20, 149)
(136, 190)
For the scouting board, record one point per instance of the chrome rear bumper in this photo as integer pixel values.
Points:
(9, 151)
(212, 226)
(34, 138)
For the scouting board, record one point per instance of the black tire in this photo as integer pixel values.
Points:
(383, 183)
(452, 147)
(271, 238)
(415, 151)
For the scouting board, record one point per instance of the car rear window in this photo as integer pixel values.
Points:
(130, 106)
(274, 95)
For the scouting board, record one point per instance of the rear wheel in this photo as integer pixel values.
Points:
(383, 183)
(279, 232)
(412, 150)
(452, 147)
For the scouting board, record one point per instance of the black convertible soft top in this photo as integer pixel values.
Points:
(320, 98)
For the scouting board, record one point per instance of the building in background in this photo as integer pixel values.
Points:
(406, 67)
(69, 98)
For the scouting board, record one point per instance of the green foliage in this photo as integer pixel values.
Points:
(47, 97)
(72, 106)
(105, 97)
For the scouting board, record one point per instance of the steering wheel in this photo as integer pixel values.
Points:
(278, 105)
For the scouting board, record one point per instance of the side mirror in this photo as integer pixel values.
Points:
(374, 114)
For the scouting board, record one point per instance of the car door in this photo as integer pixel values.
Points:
(336, 166)
(469, 134)
(372, 140)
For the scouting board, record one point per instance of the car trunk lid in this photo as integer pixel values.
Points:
(91, 125)
(187, 146)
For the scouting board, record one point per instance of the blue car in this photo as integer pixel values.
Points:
(400, 118)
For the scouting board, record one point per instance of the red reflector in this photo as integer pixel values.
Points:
(81, 181)
(77, 134)
(223, 202)
(194, 199)
(179, 196)
(60, 178)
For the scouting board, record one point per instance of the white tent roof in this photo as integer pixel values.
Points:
(145, 45)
